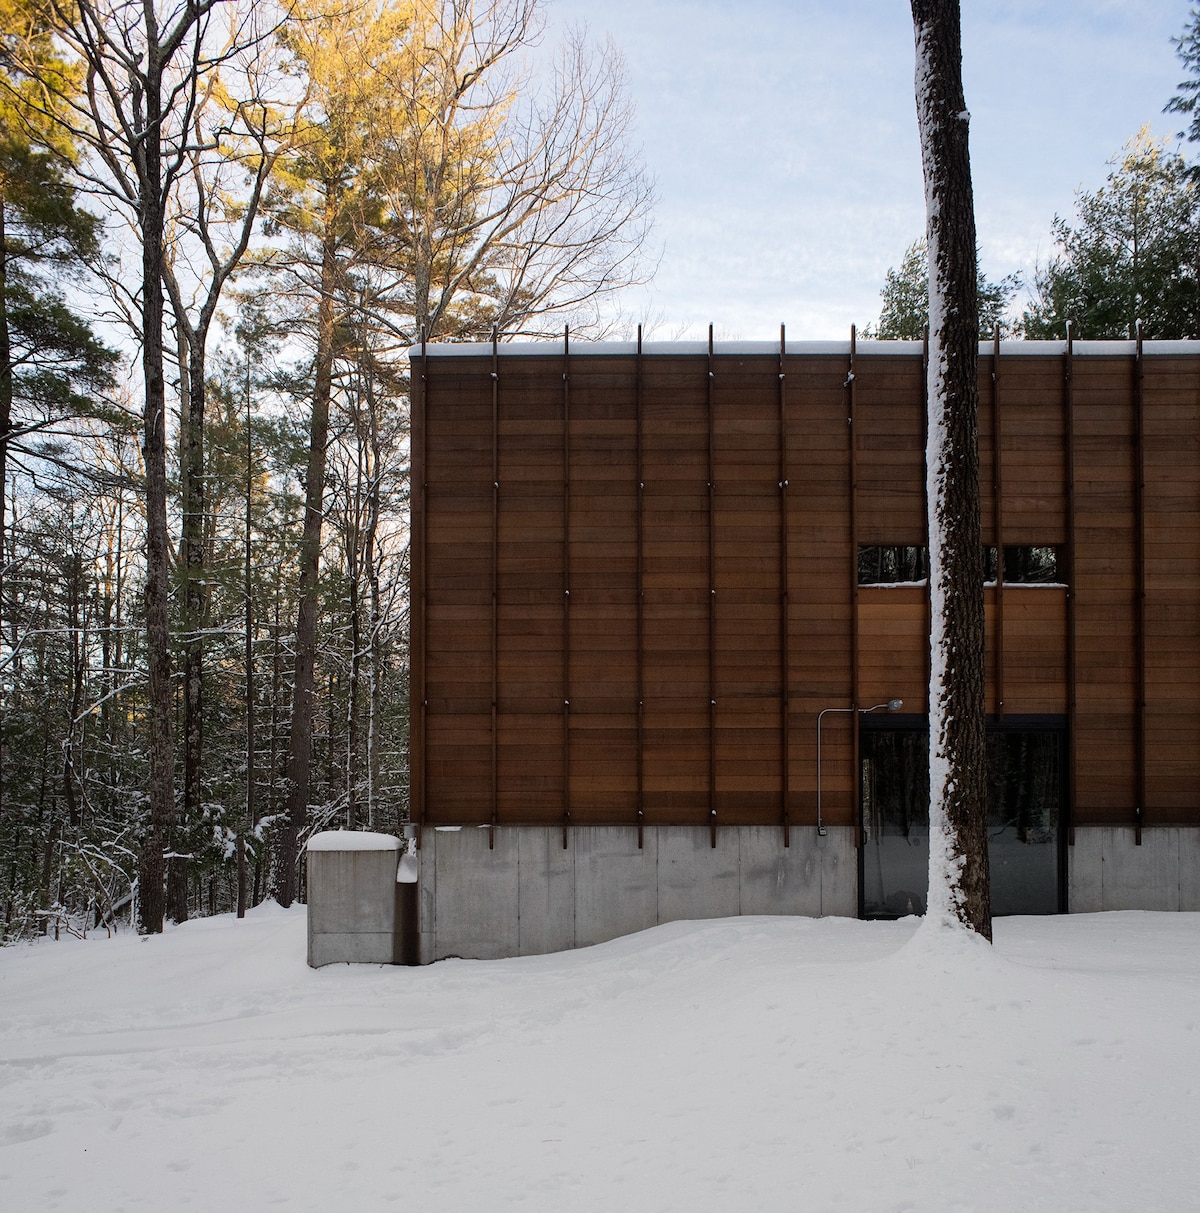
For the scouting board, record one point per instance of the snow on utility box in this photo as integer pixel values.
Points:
(362, 903)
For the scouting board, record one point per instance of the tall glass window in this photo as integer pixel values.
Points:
(1025, 780)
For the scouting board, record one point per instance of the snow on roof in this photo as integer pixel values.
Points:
(354, 840)
(554, 348)
(581, 349)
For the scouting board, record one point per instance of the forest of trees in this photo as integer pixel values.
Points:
(1128, 259)
(1130, 256)
(222, 224)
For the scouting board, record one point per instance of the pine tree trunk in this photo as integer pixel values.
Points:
(352, 695)
(6, 396)
(158, 654)
(371, 567)
(303, 719)
(958, 860)
(251, 819)
(354, 542)
(191, 458)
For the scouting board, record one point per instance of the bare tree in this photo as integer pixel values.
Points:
(142, 67)
(958, 860)
(155, 113)
(237, 133)
(482, 198)
(510, 198)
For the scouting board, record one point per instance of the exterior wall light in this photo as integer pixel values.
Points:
(892, 705)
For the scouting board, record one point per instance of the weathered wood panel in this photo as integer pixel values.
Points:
(573, 517)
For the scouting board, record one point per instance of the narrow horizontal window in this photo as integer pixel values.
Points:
(1024, 565)
(882, 565)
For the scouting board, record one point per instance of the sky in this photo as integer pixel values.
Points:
(783, 140)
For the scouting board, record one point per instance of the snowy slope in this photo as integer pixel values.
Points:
(749, 1064)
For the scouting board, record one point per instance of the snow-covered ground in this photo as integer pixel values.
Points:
(752, 1064)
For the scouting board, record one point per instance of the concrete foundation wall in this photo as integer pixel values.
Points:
(528, 894)
(357, 913)
(1108, 871)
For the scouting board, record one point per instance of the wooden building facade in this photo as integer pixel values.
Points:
(640, 574)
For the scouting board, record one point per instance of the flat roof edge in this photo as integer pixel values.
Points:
(864, 348)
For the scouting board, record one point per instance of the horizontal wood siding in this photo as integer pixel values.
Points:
(1171, 438)
(1105, 581)
(592, 528)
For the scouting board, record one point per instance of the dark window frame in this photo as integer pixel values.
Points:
(1045, 723)
(892, 564)
(881, 564)
(1024, 564)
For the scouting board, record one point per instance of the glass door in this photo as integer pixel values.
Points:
(1026, 768)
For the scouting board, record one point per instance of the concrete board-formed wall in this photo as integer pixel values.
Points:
(777, 879)
(1109, 871)
(355, 907)
(518, 891)
(697, 879)
(475, 913)
(527, 894)
(546, 898)
(616, 883)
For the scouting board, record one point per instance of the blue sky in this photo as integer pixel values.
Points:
(783, 140)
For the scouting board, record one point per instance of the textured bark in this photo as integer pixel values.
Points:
(191, 460)
(371, 567)
(133, 66)
(193, 328)
(251, 819)
(300, 737)
(958, 860)
(352, 691)
(158, 653)
(6, 398)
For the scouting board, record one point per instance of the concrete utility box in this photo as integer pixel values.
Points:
(362, 900)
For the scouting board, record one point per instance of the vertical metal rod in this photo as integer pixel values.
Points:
(851, 386)
(1139, 402)
(566, 636)
(641, 603)
(998, 520)
(419, 607)
(785, 664)
(1069, 486)
(712, 610)
(925, 524)
(495, 604)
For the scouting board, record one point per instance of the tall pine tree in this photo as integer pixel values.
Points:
(958, 858)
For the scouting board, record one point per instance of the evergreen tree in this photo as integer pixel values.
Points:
(433, 190)
(1187, 100)
(1132, 253)
(958, 797)
(143, 66)
(51, 365)
(905, 297)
